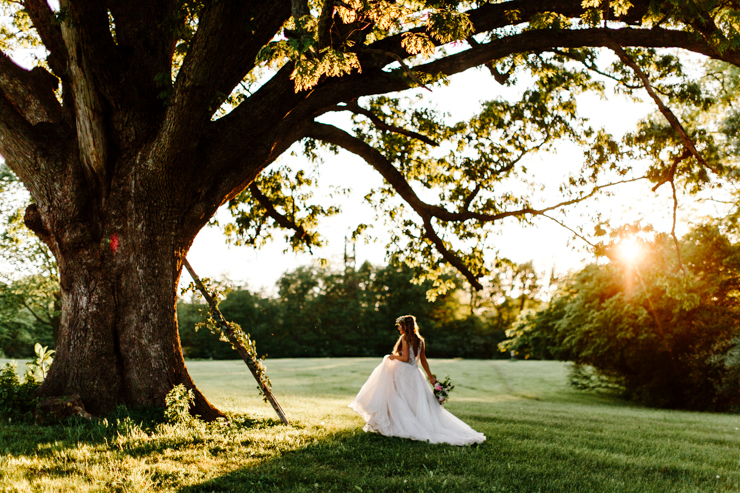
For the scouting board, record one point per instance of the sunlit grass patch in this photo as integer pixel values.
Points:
(541, 436)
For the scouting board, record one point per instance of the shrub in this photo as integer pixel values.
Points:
(671, 339)
(17, 399)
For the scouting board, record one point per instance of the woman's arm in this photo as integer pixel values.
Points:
(404, 356)
(425, 365)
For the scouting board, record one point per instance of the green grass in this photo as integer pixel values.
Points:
(541, 436)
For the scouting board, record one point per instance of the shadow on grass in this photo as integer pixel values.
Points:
(138, 432)
(352, 461)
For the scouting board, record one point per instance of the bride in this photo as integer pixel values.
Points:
(397, 401)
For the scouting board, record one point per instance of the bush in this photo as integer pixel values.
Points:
(671, 339)
(17, 399)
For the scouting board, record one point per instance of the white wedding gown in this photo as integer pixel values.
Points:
(398, 401)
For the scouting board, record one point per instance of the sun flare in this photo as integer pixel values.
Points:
(629, 249)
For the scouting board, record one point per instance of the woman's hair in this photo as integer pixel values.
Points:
(411, 331)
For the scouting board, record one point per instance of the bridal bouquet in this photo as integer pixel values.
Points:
(442, 389)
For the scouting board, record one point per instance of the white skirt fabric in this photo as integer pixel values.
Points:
(398, 401)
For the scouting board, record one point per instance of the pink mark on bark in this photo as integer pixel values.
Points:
(114, 242)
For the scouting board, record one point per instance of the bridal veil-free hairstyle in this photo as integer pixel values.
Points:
(411, 331)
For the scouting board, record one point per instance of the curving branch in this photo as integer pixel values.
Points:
(671, 173)
(355, 108)
(593, 68)
(335, 136)
(273, 213)
(37, 317)
(469, 199)
(226, 145)
(672, 119)
(489, 17)
(450, 256)
(18, 141)
(31, 91)
(50, 33)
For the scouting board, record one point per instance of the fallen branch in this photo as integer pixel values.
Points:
(241, 343)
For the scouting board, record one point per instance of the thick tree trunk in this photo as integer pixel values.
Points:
(118, 341)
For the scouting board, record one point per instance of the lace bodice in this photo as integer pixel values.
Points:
(412, 356)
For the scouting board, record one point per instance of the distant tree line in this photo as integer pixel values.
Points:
(320, 312)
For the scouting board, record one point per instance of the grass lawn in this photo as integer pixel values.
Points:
(541, 436)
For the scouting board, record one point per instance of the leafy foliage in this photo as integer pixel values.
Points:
(177, 404)
(39, 366)
(320, 312)
(17, 399)
(671, 340)
(303, 41)
(287, 193)
(30, 298)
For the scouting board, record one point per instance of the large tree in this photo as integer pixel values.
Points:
(143, 117)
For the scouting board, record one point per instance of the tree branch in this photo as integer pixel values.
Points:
(673, 229)
(333, 135)
(51, 35)
(449, 256)
(576, 233)
(146, 33)
(32, 92)
(594, 68)
(295, 110)
(355, 108)
(86, 76)
(489, 17)
(276, 109)
(280, 219)
(671, 173)
(41, 320)
(672, 120)
(470, 198)
(91, 51)
(324, 27)
(19, 143)
(338, 137)
(222, 52)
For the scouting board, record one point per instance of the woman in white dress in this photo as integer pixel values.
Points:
(397, 400)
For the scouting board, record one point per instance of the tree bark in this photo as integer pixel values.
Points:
(119, 268)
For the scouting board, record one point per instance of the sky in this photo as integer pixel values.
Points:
(548, 244)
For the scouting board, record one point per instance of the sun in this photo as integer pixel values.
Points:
(629, 249)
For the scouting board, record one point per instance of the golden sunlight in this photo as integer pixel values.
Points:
(629, 249)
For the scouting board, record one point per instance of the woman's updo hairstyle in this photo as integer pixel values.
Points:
(411, 331)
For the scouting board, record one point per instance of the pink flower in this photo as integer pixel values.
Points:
(437, 386)
(441, 400)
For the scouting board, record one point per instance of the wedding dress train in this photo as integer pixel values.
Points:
(398, 401)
